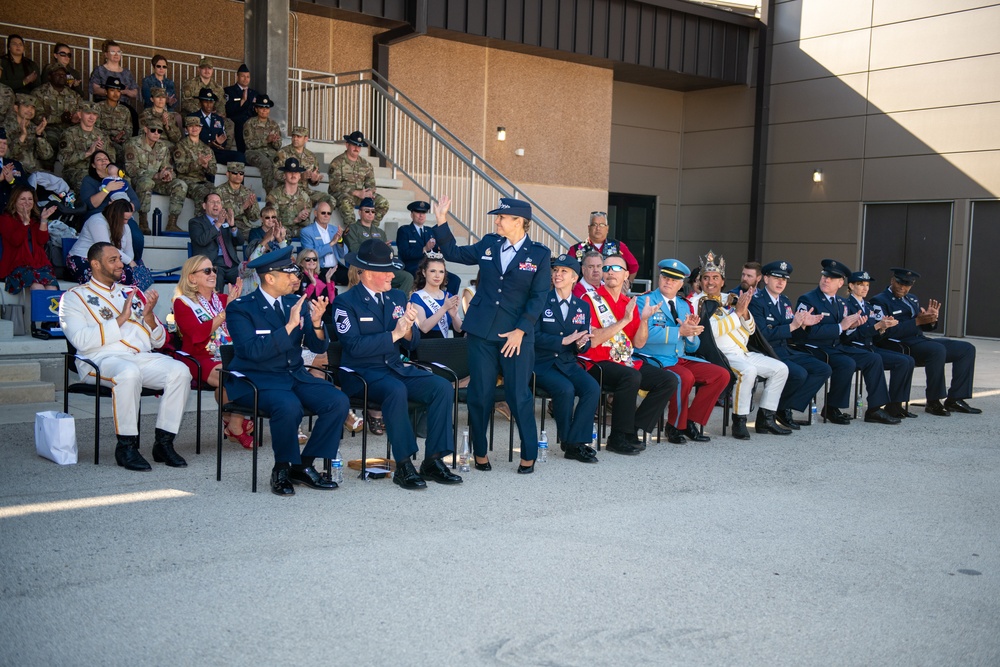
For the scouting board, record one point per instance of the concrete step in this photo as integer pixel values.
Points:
(20, 371)
(16, 393)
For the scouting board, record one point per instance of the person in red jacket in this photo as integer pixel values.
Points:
(24, 231)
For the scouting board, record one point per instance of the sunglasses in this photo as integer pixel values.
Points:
(324, 213)
(367, 210)
(155, 130)
(310, 259)
(209, 271)
(62, 54)
(613, 267)
(270, 217)
(236, 173)
(160, 66)
(598, 224)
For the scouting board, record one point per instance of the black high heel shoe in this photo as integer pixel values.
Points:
(482, 466)
(526, 470)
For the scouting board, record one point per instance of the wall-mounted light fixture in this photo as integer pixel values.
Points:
(817, 175)
(501, 134)
(519, 152)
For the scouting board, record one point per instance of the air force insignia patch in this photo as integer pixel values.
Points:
(342, 321)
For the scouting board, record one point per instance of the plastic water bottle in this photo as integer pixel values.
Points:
(465, 455)
(543, 448)
(337, 469)
(861, 403)
(593, 437)
(815, 410)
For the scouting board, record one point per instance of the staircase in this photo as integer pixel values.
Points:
(20, 382)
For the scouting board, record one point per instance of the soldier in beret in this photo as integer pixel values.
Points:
(194, 162)
(238, 198)
(147, 163)
(262, 138)
(79, 142)
(913, 320)
(113, 117)
(352, 178)
(171, 120)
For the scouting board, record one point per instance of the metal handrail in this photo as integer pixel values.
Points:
(413, 144)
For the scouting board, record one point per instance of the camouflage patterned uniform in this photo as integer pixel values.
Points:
(308, 160)
(245, 217)
(289, 206)
(346, 176)
(33, 150)
(53, 104)
(190, 105)
(6, 100)
(261, 153)
(115, 119)
(357, 234)
(73, 147)
(199, 181)
(172, 131)
(142, 162)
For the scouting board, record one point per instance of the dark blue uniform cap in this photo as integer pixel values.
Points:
(779, 269)
(904, 276)
(276, 260)
(834, 269)
(367, 202)
(860, 277)
(418, 206)
(674, 268)
(243, 68)
(510, 206)
(568, 261)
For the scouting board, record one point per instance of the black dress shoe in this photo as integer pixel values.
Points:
(311, 477)
(740, 431)
(765, 423)
(936, 408)
(163, 450)
(407, 477)
(786, 419)
(674, 436)
(435, 470)
(834, 415)
(581, 453)
(526, 470)
(880, 416)
(959, 405)
(127, 454)
(280, 484)
(619, 444)
(482, 466)
(897, 410)
(693, 434)
(637, 442)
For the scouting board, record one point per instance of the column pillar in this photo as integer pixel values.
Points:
(265, 40)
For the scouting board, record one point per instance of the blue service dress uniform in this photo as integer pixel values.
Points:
(410, 243)
(844, 360)
(211, 127)
(364, 328)
(806, 373)
(900, 366)
(558, 373)
(272, 359)
(931, 353)
(504, 301)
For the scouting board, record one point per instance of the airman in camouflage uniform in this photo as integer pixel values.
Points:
(195, 162)
(192, 88)
(6, 100)
(291, 200)
(25, 140)
(114, 118)
(311, 178)
(239, 199)
(58, 103)
(352, 179)
(147, 162)
(79, 142)
(262, 137)
(170, 120)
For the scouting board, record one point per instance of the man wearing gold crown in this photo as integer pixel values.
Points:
(733, 328)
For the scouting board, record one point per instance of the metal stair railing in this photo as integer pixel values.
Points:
(414, 145)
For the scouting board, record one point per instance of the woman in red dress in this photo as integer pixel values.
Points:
(25, 231)
(200, 317)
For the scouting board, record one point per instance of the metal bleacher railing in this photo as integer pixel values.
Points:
(414, 146)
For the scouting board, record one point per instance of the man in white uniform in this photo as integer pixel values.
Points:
(114, 326)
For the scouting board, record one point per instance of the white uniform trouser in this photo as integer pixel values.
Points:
(748, 367)
(127, 375)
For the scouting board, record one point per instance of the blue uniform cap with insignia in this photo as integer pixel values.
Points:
(418, 206)
(860, 277)
(568, 261)
(834, 269)
(674, 268)
(276, 260)
(510, 206)
(904, 276)
(779, 269)
(367, 202)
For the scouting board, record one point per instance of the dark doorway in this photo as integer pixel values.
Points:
(980, 318)
(915, 235)
(632, 219)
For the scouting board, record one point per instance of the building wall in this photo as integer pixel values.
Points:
(895, 100)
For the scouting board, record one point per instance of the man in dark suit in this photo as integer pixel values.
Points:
(514, 277)
(214, 235)
(844, 359)
(239, 103)
(373, 323)
(562, 332)
(415, 240)
(896, 301)
(268, 327)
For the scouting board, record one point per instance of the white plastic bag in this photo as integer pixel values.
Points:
(55, 436)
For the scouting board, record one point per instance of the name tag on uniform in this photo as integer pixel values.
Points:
(412, 241)
(770, 318)
(548, 319)
(485, 257)
(260, 332)
(366, 319)
(896, 312)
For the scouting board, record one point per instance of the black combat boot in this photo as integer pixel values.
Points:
(740, 431)
(767, 424)
(127, 454)
(163, 450)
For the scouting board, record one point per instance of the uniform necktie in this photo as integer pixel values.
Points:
(278, 309)
(673, 310)
(378, 299)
